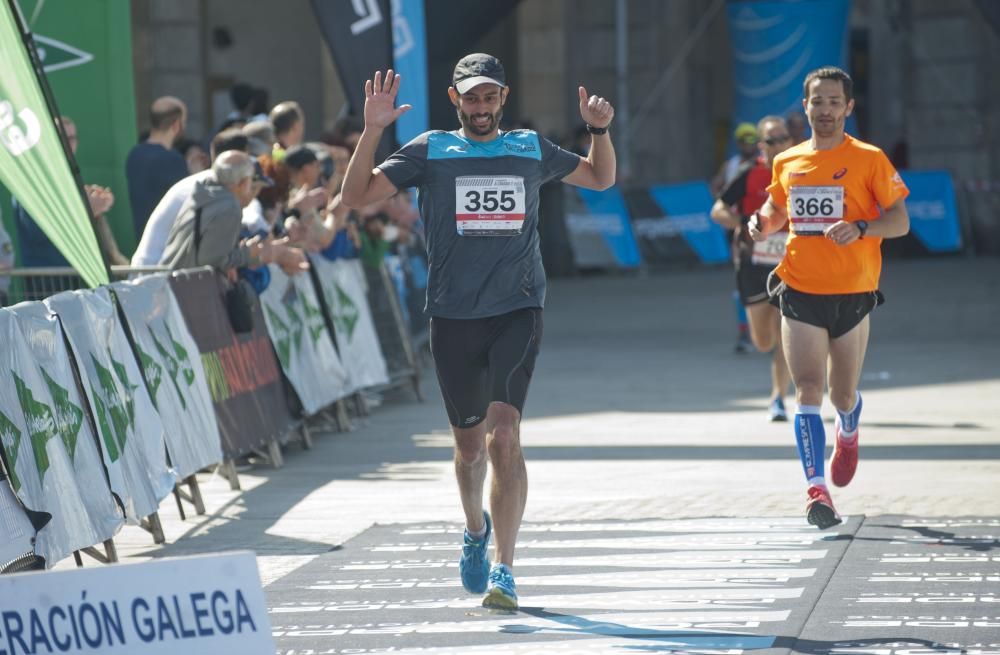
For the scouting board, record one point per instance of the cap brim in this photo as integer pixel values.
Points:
(470, 82)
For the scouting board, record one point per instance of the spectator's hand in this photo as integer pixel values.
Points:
(308, 200)
(295, 229)
(291, 260)
(595, 111)
(99, 198)
(380, 101)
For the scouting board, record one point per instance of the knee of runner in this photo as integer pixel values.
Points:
(471, 451)
(809, 392)
(503, 440)
(842, 399)
(764, 343)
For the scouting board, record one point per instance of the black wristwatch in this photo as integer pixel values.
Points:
(862, 227)
(596, 130)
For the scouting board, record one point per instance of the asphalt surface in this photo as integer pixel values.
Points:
(640, 411)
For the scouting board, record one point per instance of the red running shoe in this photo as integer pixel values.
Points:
(819, 508)
(845, 458)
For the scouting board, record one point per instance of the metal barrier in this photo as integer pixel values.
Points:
(41, 282)
(393, 333)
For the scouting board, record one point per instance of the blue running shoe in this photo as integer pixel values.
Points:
(474, 566)
(502, 594)
(777, 411)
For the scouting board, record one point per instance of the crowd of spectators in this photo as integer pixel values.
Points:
(255, 194)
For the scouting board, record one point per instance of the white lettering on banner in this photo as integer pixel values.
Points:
(213, 604)
(814, 208)
(489, 205)
(369, 13)
(402, 35)
(15, 139)
(610, 224)
(663, 227)
(927, 210)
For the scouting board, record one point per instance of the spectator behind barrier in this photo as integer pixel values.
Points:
(153, 166)
(207, 231)
(154, 237)
(37, 250)
(194, 155)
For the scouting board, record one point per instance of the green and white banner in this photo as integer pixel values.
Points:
(17, 535)
(41, 447)
(48, 347)
(174, 373)
(305, 349)
(345, 291)
(129, 427)
(33, 164)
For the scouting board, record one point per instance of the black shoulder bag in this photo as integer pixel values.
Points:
(240, 299)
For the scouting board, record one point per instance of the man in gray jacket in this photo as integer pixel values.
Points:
(207, 230)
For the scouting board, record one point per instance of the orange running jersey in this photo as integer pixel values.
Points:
(851, 182)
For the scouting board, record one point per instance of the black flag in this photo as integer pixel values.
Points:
(359, 34)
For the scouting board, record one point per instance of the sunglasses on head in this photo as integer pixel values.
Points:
(774, 140)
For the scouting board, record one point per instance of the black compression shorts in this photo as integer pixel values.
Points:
(485, 360)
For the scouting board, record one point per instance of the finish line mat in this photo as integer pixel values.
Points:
(888, 585)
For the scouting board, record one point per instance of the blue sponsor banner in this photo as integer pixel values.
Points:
(932, 210)
(608, 218)
(775, 44)
(686, 210)
(409, 43)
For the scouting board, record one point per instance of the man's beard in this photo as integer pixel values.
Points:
(469, 127)
(828, 129)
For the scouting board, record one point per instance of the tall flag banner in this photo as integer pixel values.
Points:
(409, 53)
(775, 44)
(33, 163)
(359, 35)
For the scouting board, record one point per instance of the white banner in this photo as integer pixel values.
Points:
(48, 347)
(346, 295)
(130, 429)
(194, 605)
(17, 535)
(298, 330)
(41, 446)
(173, 368)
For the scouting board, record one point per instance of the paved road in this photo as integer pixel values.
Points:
(640, 410)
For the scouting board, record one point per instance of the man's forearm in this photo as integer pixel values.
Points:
(894, 223)
(602, 159)
(359, 169)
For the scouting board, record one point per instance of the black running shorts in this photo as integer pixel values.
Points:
(838, 314)
(485, 360)
(751, 283)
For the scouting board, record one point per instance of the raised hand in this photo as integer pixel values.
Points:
(380, 100)
(594, 110)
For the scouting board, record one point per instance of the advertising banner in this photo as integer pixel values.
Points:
(193, 605)
(130, 430)
(301, 340)
(244, 378)
(39, 450)
(776, 44)
(599, 229)
(48, 347)
(346, 297)
(684, 213)
(33, 164)
(173, 372)
(932, 209)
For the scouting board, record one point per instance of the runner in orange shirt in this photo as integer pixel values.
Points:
(841, 197)
(754, 261)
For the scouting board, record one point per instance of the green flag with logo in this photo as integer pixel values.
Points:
(33, 164)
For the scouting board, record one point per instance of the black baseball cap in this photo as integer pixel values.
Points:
(478, 68)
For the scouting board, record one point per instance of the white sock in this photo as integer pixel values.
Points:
(817, 482)
(477, 535)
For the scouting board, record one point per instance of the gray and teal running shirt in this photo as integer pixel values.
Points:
(479, 204)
